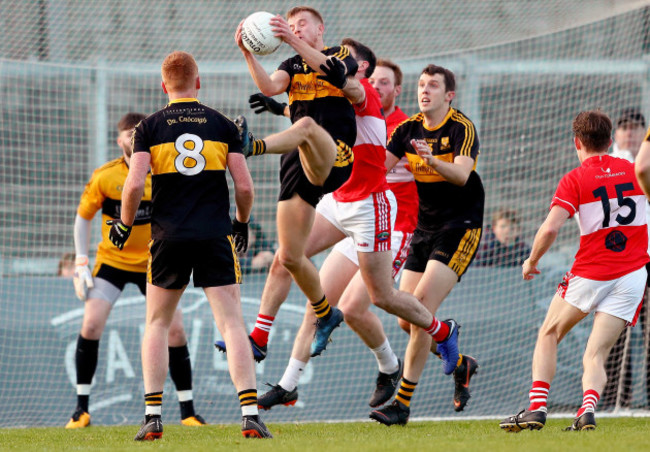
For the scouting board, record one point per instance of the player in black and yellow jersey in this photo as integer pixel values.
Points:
(441, 146)
(188, 147)
(317, 158)
(113, 270)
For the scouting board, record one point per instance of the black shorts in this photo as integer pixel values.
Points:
(293, 179)
(455, 248)
(213, 261)
(119, 278)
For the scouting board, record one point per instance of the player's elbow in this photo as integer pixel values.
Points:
(549, 232)
(245, 193)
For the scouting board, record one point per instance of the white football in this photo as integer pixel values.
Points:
(257, 36)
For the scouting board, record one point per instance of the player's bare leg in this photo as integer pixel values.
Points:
(432, 288)
(355, 304)
(317, 149)
(560, 318)
(335, 275)
(226, 308)
(376, 271)
(161, 307)
(604, 333)
(295, 218)
(177, 337)
(96, 312)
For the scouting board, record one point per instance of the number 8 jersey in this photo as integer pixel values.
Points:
(611, 206)
(189, 143)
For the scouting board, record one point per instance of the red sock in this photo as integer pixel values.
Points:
(438, 330)
(589, 401)
(262, 328)
(538, 396)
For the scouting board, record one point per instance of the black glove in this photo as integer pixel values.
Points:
(264, 103)
(240, 236)
(119, 232)
(335, 72)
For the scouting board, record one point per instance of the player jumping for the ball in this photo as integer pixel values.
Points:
(317, 160)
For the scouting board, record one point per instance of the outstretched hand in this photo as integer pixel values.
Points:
(335, 72)
(261, 103)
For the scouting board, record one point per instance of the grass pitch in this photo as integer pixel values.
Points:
(628, 434)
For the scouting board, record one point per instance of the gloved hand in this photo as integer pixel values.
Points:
(119, 233)
(264, 103)
(335, 72)
(83, 279)
(240, 236)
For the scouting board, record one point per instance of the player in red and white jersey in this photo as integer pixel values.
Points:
(363, 208)
(387, 80)
(608, 276)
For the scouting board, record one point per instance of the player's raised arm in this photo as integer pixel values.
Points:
(269, 85)
(292, 35)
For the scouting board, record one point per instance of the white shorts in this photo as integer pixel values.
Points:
(400, 243)
(619, 297)
(368, 222)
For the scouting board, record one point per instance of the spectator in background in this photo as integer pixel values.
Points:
(629, 133)
(260, 252)
(502, 246)
(66, 266)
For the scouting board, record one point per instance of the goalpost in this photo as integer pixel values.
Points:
(69, 69)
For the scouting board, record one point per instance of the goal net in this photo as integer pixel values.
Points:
(69, 69)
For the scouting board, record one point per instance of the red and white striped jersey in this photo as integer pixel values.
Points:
(613, 229)
(369, 172)
(402, 183)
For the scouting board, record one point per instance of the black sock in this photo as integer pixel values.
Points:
(180, 370)
(322, 308)
(86, 364)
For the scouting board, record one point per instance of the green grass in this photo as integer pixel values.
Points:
(628, 434)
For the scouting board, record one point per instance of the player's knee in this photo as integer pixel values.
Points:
(177, 336)
(92, 330)
(305, 126)
(383, 300)
(353, 317)
(289, 261)
(404, 325)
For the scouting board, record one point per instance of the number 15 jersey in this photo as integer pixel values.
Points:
(189, 144)
(613, 229)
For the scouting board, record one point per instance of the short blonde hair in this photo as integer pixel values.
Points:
(179, 71)
(308, 9)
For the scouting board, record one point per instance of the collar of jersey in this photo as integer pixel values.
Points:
(183, 99)
(449, 113)
(595, 160)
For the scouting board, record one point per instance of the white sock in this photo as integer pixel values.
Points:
(184, 396)
(386, 359)
(249, 410)
(292, 374)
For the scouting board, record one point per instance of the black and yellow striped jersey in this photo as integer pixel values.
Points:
(104, 191)
(443, 205)
(312, 96)
(189, 144)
